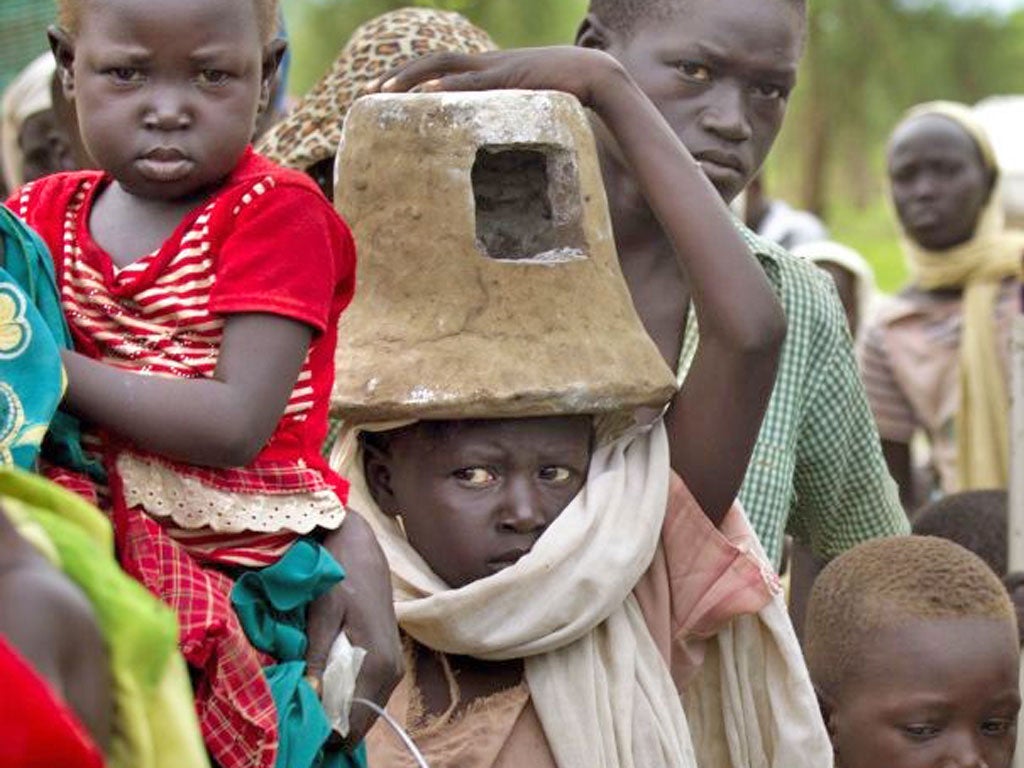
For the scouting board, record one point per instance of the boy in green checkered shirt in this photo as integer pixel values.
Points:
(721, 72)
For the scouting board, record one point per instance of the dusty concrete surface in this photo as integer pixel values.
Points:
(488, 283)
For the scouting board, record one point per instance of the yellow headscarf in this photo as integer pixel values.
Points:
(978, 266)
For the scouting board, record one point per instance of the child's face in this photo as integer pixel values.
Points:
(939, 184)
(720, 71)
(475, 496)
(931, 694)
(167, 93)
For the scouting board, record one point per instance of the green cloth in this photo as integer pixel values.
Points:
(155, 724)
(817, 469)
(32, 332)
(31, 374)
(271, 605)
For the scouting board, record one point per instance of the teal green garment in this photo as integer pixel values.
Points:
(271, 605)
(32, 333)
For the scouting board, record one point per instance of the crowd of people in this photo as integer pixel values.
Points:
(222, 545)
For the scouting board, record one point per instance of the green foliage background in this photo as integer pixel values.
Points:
(866, 62)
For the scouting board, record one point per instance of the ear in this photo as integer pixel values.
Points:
(377, 471)
(273, 53)
(593, 34)
(63, 46)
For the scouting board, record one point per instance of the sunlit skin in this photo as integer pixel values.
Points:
(474, 497)
(939, 693)
(940, 185)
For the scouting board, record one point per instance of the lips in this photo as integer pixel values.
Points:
(720, 161)
(506, 559)
(164, 165)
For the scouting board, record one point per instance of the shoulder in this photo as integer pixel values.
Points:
(46, 195)
(255, 169)
(807, 293)
(260, 188)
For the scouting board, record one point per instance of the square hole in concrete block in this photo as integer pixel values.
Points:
(528, 204)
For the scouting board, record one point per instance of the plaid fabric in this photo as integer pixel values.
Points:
(817, 470)
(233, 700)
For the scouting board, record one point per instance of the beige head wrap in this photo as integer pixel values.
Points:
(312, 131)
(27, 95)
(830, 252)
(978, 266)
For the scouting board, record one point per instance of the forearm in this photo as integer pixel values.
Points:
(222, 421)
(196, 421)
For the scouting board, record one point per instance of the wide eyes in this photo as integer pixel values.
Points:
(483, 477)
(694, 71)
(555, 474)
(474, 477)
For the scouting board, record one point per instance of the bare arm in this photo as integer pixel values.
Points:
(715, 418)
(223, 421)
(897, 458)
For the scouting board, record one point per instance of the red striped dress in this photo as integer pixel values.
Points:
(267, 242)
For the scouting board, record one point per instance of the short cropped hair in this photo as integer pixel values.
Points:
(886, 582)
(624, 16)
(69, 13)
(976, 520)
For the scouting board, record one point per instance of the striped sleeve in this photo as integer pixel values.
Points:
(894, 415)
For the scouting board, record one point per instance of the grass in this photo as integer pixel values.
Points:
(872, 232)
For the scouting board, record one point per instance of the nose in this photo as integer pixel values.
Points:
(924, 186)
(726, 114)
(965, 752)
(522, 509)
(166, 109)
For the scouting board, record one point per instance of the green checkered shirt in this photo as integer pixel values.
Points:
(817, 471)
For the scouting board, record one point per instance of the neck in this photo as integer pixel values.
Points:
(439, 677)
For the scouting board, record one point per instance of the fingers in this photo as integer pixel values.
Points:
(362, 606)
(426, 70)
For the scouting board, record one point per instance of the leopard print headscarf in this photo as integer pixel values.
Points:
(312, 131)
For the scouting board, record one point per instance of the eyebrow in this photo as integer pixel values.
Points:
(133, 53)
(211, 52)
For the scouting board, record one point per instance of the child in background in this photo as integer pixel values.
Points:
(912, 647)
(202, 285)
(976, 520)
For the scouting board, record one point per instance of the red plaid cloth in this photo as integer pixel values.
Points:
(236, 711)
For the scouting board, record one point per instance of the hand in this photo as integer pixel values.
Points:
(577, 71)
(363, 607)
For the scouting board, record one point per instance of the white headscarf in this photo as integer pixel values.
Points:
(829, 252)
(27, 95)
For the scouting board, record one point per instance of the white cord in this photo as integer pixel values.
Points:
(397, 728)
